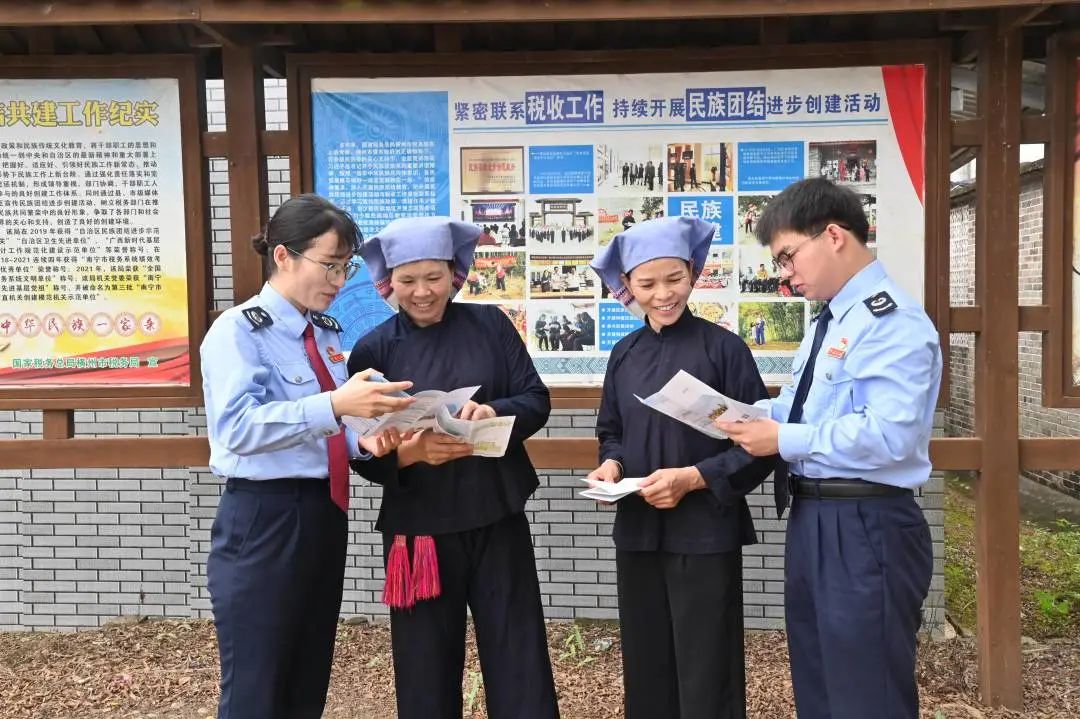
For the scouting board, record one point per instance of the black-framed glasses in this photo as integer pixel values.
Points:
(334, 270)
(786, 260)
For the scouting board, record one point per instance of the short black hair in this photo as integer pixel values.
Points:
(808, 206)
(299, 221)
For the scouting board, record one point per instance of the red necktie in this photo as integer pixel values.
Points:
(335, 445)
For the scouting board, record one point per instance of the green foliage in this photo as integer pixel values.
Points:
(476, 680)
(650, 206)
(575, 651)
(1049, 566)
(783, 320)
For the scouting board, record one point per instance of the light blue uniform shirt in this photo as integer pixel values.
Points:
(870, 409)
(265, 413)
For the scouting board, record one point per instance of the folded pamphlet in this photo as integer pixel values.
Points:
(435, 410)
(610, 491)
(694, 403)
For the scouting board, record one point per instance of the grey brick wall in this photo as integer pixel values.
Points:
(78, 547)
(1035, 420)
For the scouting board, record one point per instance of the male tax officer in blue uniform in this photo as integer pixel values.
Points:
(854, 431)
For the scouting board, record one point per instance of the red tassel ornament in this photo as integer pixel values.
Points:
(425, 569)
(398, 589)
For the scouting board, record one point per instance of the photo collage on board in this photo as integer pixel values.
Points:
(546, 209)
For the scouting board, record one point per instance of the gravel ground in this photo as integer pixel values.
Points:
(168, 670)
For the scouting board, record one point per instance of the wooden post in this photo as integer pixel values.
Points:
(997, 227)
(248, 198)
(57, 424)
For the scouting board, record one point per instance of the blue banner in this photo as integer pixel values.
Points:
(564, 107)
(770, 165)
(561, 169)
(615, 323)
(719, 210)
(379, 155)
(725, 104)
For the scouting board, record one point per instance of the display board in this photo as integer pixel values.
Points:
(553, 167)
(93, 237)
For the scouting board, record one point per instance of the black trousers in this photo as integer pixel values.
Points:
(491, 570)
(275, 574)
(681, 621)
(857, 572)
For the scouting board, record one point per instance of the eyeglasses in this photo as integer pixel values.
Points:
(334, 270)
(786, 260)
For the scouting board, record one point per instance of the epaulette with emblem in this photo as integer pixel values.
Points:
(325, 321)
(258, 317)
(880, 304)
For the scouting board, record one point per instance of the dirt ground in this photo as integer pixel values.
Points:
(168, 670)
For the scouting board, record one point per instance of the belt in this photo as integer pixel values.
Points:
(287, 485)
(842, 488)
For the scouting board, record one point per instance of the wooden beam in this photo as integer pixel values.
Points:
(471, 11)
(215, 144)
(273, 61)
(1034, 129)
(275, 143)
(955, 453)
(97, 12)
(1033, 318)
(546, 453)
(113, 12)
(248, 197)
(218, 37)
(967, 48)
(1050, 453)
(98, 452)
(1036, 318)
(581, 453)
(967, 133)
(1058, 220)
(58, 424)
(575, 397)
(965, 319)
(563, 453)
(961, 157)
(937, 153)
(960, 21)
(95, 399)
(997, 229)
(1018, 17)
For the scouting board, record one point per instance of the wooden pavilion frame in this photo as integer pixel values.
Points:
(244, 41)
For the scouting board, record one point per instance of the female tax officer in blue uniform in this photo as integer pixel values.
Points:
(462, 516)
(276, 389)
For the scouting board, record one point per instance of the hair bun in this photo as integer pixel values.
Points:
(260, 245)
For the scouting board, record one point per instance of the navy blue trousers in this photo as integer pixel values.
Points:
(491, 570)
(275, 575)
(857, 573)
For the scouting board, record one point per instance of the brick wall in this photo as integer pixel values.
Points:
(78, 547)
(1035, 420)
